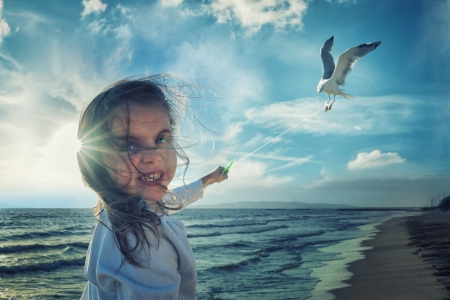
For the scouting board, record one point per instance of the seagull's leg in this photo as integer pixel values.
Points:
(326, 106)
(334, 99)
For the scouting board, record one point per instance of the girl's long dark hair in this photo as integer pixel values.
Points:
(128, 215)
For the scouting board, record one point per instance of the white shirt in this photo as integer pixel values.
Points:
(168, 272)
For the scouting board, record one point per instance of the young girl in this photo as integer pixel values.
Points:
(129, 157)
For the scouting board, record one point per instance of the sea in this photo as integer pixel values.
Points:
(240, 253)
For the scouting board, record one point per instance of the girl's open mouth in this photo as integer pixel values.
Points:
(151, 177)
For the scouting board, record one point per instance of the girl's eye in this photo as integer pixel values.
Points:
(162, 140)
(130, 148)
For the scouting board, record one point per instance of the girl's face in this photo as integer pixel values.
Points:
(147, 148)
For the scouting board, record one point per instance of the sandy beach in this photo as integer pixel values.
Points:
(409, 260)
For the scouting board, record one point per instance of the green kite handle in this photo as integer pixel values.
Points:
(227, 167)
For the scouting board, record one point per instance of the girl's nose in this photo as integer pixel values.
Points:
(151, 156)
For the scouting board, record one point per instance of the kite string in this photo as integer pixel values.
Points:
(280, 135)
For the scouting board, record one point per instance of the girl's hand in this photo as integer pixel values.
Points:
(215, 176)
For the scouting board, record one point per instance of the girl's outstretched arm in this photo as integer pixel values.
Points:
(188, 194)
(217, 175)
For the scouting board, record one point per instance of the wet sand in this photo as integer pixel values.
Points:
(399, 265)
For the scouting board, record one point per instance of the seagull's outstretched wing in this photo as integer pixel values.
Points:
(327, 58)
(348, 59)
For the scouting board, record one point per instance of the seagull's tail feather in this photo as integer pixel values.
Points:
(345, 95)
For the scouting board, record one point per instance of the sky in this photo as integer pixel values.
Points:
(257, 66)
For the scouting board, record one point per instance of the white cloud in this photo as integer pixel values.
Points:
(232, 131)
(92, 6)
(124, 49)
(362, 115)
(343, 1)
(259, 140)
(117, 27)
(99, 26)
(31, 21)
(4, 27)
(171, 3)
(60, 159)
(435, 23)
(380, 192)
(374, 159)
(29, 121)
(217, 64)
(251, 174)
(8, 58)
(124, 10)
(289, 160)
(253, 14)
(37, 101)
(255, 174)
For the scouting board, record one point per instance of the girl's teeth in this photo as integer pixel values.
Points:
(152, 177)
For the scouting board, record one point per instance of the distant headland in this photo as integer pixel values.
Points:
(272, 205)
(6, 205)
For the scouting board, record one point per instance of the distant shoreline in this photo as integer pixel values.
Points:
(256, 205)
(271, 205)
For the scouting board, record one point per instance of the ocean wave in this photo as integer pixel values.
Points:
(43, 266)
(42, 234)
(226, 225)
(219, 245)
(265, 252)
(20, 248)
(233, 266)
(347, 226)
(204, 235)
(246, 223)
(260, 230)
(291, 265)
(284, 239)
(322, 216)
(261, 254)
(291, 238)
(238, 245)
(308, 234)
(254, 230)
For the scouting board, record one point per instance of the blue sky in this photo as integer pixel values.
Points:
(258, 63)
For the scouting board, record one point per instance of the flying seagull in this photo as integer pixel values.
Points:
(334, 77)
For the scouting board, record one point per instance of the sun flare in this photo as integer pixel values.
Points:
(61, 152)
(78, 145)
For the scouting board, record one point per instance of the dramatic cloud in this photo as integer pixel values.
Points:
(347, 117)
(435, 36)
(342, 1)
(171, 3)
(209, 61)
(253, 14)
(38, 102)
(374, 159)
(432, 51)
(92, 6)
(4, 27)
(257, 64)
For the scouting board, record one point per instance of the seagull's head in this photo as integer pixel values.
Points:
(320, 88)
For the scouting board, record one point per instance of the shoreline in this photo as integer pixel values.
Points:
(390, 270)
(334, 273)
